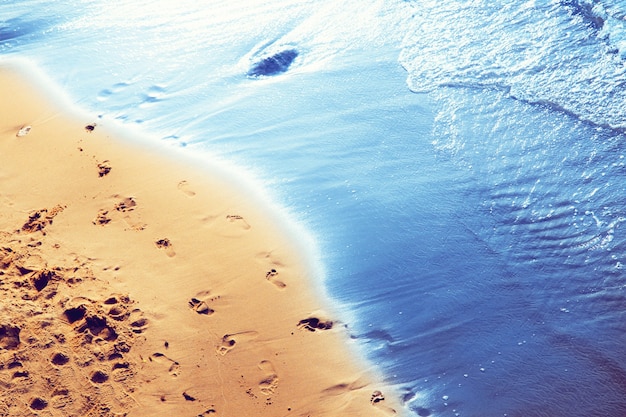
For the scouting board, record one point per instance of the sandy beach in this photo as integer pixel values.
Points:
(134, 284)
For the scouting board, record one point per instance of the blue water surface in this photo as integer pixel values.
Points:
(460, 166)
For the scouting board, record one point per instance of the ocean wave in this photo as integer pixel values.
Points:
(567, 56)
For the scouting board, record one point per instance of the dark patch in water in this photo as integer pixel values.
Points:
(13, 29)
(423, 412)
(601, 363)
(275, 64)
(380, 335)
(585, 11)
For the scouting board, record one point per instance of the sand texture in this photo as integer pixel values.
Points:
(134, 284)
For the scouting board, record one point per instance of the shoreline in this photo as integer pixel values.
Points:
(139, 285)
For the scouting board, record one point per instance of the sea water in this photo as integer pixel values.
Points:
(459, 165)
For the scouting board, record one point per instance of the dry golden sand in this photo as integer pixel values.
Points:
(134, 284)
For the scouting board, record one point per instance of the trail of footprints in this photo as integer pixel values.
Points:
(91, 340)
(84, 340)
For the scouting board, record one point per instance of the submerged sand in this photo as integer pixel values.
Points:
(131, 283)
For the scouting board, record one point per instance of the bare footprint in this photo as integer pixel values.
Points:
(189, 397)
(121, 371)
(102, 218)
(99, 377)
(200, 302)
(39, 219)
(61, 398)
(138, 323)
(200, 307)
(23, 131)
(116, 306)
(240, 221)
(167, 246)
(123, 210)
(126, 204)
(9, 337)
(269, 384)
(60, 359)
(184, 187)
(104, 168)
(38, 403)
(377, 397)
(173, 366)
(313, 323)
(230, 340)
(268, 259)
(271, 277)
(378, 400)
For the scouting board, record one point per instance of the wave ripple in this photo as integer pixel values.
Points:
(567, 55)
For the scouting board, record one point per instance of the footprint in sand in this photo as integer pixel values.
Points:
(38, 404)
(378, 400)
(61, 398)
(138, 323)
(126, 204)
(104, 168)
(377, 397)
(313, 323)
(229, 226)
(189, 397)
(95, 327)
(268, 259)
(116, 307)
(23, 131)
(102, 218)
(271, 277)
(184, 187)
(60, 359)
(99, 377)
(269, 384)
(230, 340)
(200, 307)
(118, 312)
(173, 366)
(42, 278)
(199, 303)
(9, 337)
(167, 246)
(38, 220)
(238, 220)
(17, 368)
(121, 371)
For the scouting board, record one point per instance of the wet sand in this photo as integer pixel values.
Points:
(134, 284)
